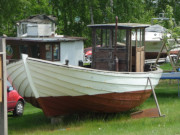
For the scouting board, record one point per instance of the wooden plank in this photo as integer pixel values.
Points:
(138, 66)
(142, 61)
(140, 54)
(139, 49)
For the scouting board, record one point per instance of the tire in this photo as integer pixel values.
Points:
(19, 109)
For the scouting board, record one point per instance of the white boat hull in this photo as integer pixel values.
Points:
(40, 81)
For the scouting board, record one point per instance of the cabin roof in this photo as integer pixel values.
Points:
(40, 19)
(120, 25)
(43, 39)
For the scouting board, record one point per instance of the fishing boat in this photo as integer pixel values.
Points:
(116, 82)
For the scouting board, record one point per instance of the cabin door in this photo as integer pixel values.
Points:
(140, 54)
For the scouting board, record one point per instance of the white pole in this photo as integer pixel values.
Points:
(3, 104)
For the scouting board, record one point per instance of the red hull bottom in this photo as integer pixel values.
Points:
(109, 103)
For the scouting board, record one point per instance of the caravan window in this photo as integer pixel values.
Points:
(24, 28)
(52, 52)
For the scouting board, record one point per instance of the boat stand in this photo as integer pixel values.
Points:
(152, 112)
(56, 120)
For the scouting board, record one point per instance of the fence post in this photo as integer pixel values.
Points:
(3, 89)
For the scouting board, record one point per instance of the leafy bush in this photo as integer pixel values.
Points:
(176, 32)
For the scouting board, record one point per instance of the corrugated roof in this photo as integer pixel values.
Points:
(40, 19)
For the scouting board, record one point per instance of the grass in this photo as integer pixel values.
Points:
(168, 66)
(33, 122)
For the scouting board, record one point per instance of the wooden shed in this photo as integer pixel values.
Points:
(118, 51)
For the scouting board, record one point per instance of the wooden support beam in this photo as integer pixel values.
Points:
(128, 50)
(101, 37)
(93, 47)
(115, 48)
(110, 38)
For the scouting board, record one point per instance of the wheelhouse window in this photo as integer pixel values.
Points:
(52, 52)
(106, 38)
(137, 38)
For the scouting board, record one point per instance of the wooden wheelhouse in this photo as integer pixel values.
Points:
(118, 53)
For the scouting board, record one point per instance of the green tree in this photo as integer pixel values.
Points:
(7, 16)
(175, 4)
(14, 10)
